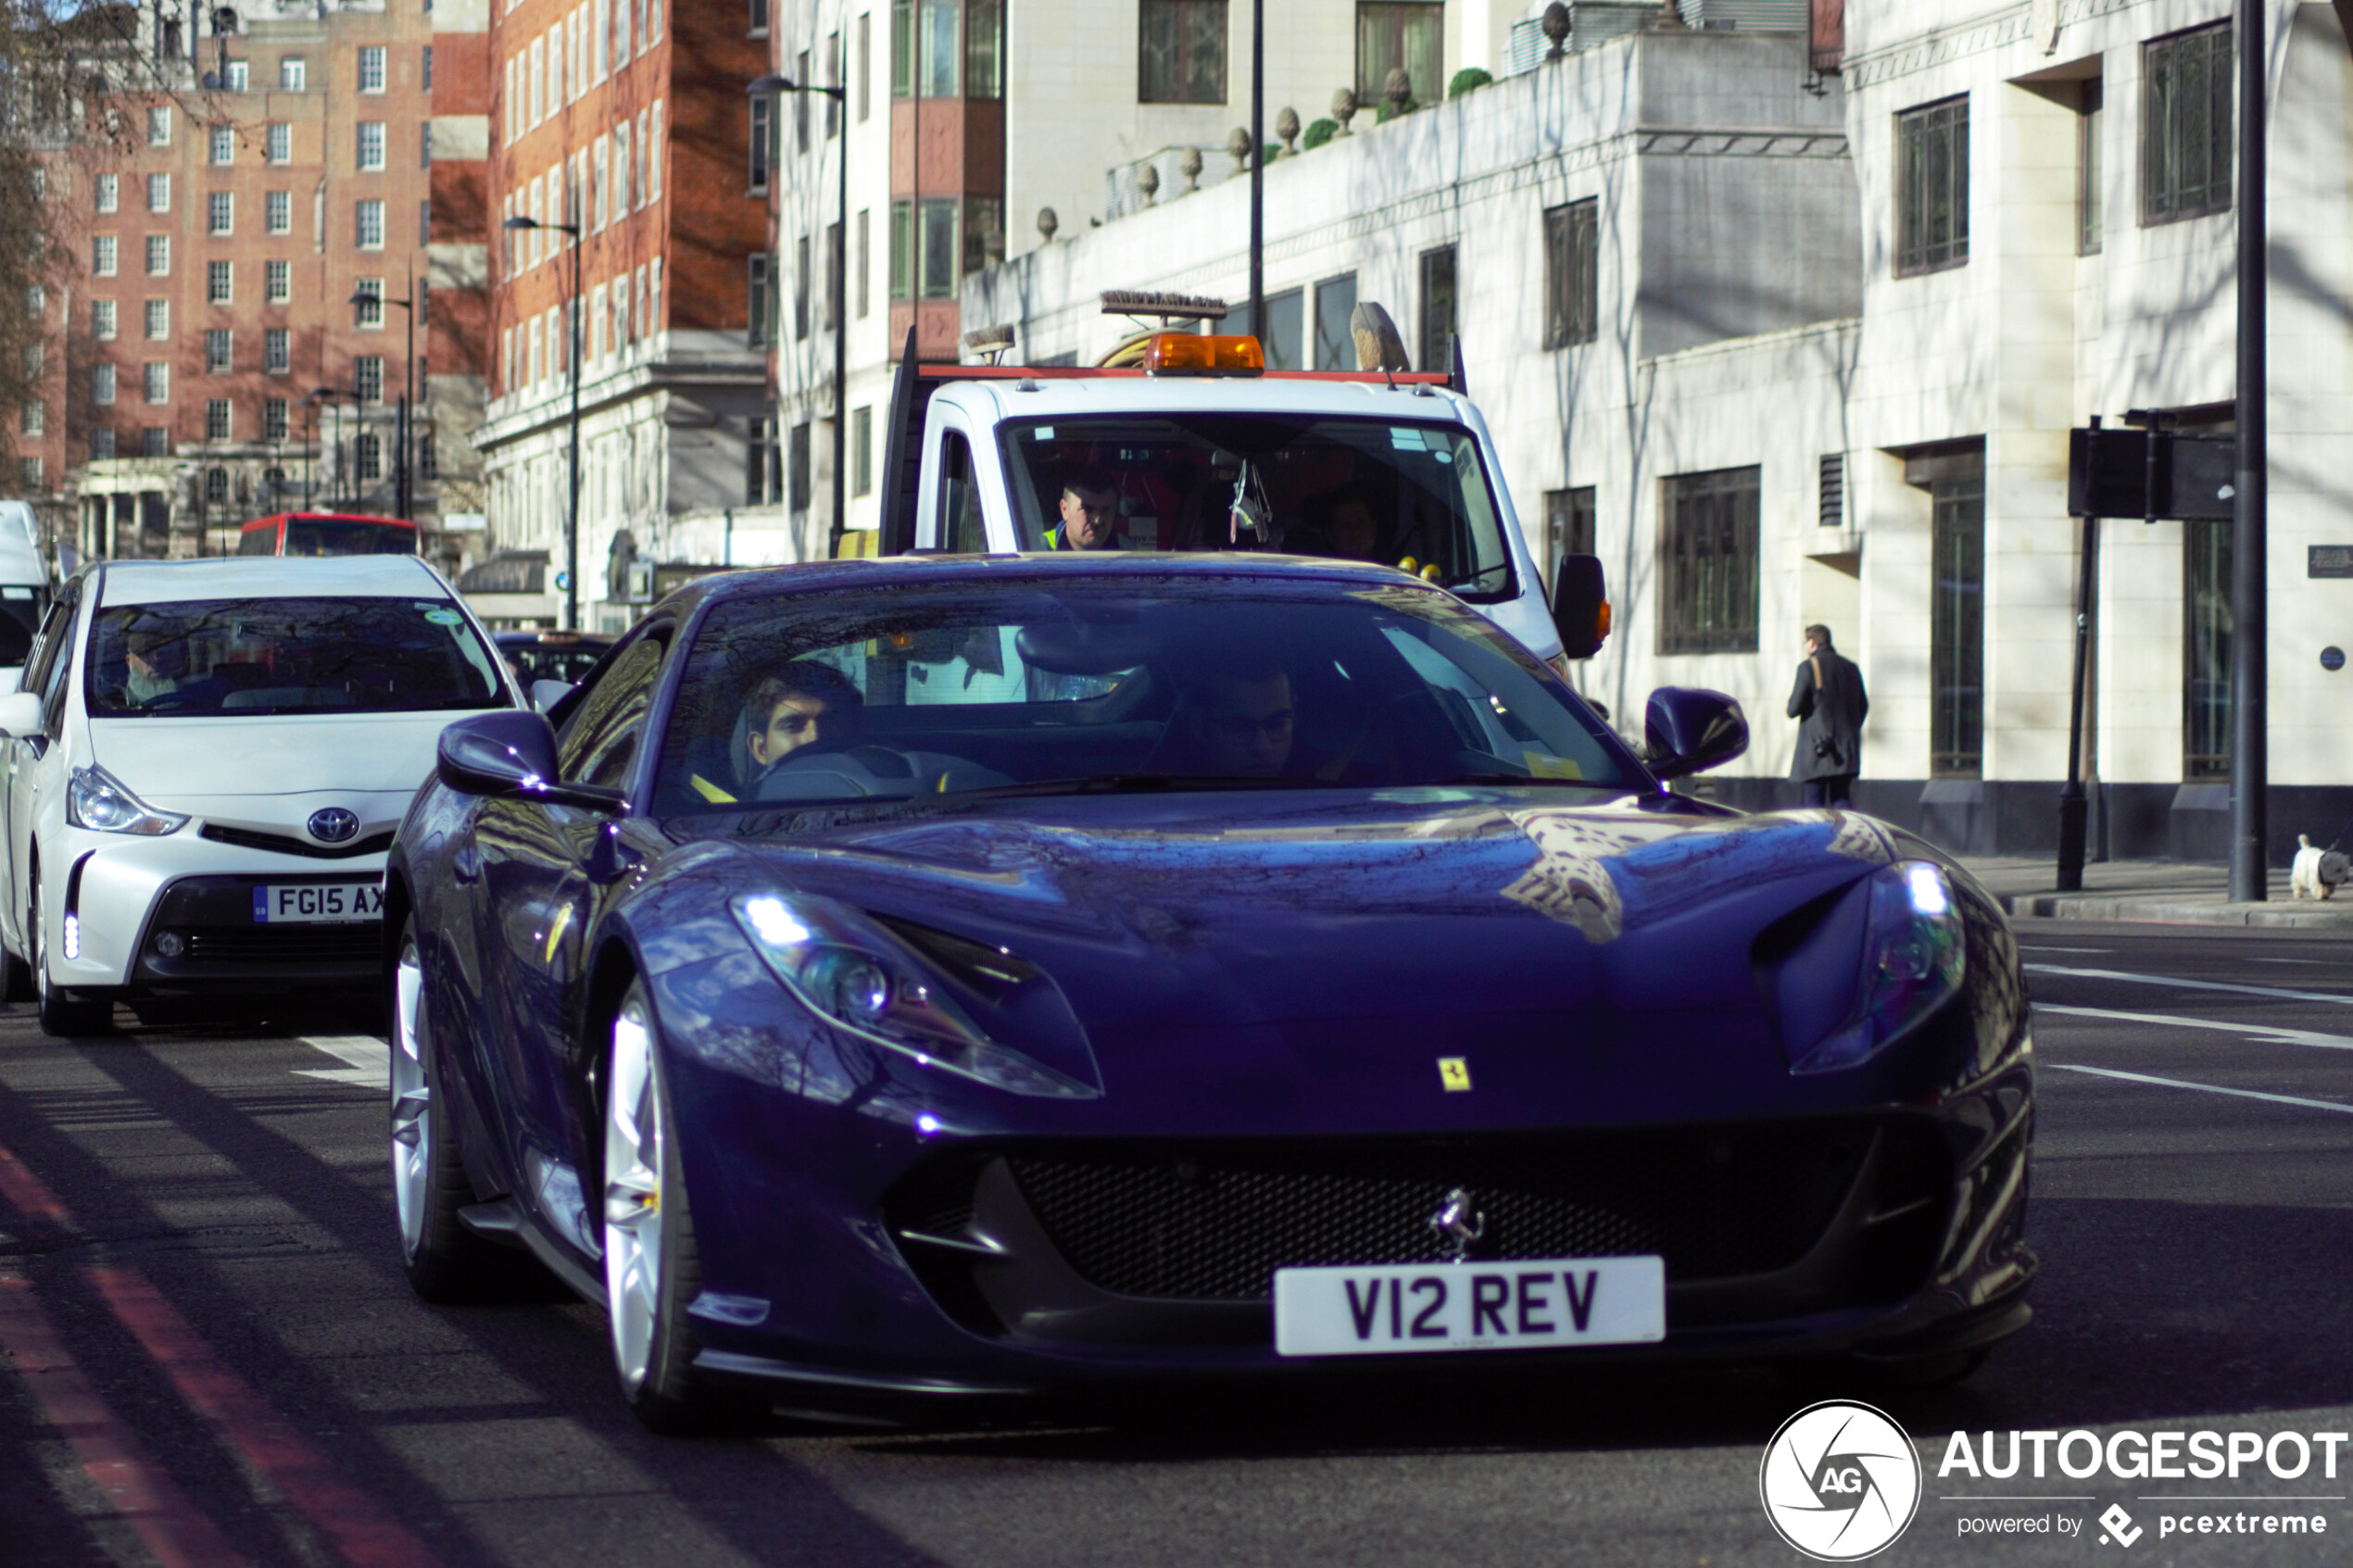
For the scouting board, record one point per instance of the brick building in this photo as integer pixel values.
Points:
(628, 121)
(215, 248)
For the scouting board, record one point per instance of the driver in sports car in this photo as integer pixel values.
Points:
(792, 706)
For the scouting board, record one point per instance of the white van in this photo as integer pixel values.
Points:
(24, 588)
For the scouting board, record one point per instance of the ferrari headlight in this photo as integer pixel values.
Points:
(857, 976)
(1914, 955)
(96, 800)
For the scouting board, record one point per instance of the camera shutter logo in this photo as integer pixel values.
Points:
(334, 824)
(1840, 1481)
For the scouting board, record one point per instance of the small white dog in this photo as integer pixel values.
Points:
(2318, 872)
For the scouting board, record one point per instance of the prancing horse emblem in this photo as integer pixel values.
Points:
(1459, 1221)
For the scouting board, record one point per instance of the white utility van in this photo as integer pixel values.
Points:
(24, 588)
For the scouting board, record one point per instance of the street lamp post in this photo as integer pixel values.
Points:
(572, 509)
(766, 87)
(401, 484)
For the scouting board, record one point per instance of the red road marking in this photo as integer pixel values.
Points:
(362, 1531)
(142, 1491)
(28, 1193)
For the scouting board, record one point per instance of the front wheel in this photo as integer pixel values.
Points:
(59, 1014)
(445, 1262)
(652, 1269)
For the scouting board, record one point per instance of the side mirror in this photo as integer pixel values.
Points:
(545, 695)
(1580, 606)
(512, 756)
(1688, 731)
(20, 715)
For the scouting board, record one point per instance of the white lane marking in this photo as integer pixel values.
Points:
(2207, 1088)
(2267, 1032)
(368, 1059)
(2339, 998)
(2313, 961)
(2047, 947)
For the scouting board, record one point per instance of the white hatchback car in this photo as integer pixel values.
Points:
(207, 760)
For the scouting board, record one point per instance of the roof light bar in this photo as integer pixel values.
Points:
(1167, 307)
(1187, 354)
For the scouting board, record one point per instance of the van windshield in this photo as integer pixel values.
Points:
(1409, 495)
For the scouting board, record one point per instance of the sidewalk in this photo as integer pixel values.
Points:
(2162, 891)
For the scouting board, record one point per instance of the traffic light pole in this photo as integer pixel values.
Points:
(2250, 771)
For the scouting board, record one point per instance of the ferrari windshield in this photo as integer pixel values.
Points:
(1032, 687)
(186, 657)
(1301, 484)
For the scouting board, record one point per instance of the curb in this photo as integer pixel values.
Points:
(2173, 911)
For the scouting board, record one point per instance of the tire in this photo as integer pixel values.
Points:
(16, 979)
(652, 1271)
(61, 1013)
(445, 1262)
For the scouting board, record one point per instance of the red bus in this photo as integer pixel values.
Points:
(328, 533)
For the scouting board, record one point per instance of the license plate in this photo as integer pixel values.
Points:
(318, 903)
(1423, 1307)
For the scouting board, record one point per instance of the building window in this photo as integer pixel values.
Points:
(801, 289)
(158, 256)
(154, 441)
(2088, 168)
(368, 378)
(759, 297)
(1931, 187)
(158, 319)
(218, 355)
(1437, 309)
(102, 442)
(159, 126)
(371, 145)
(936, 257)
(155, 382)
(832, 78)
(861, 264)
(277, 211)
(984, 48)
(828, 298)
(865, 65)
(102, 248)
(757, 21)
(427, 83)
(2186, 125)
(102, 319)
(277, 282)
(763, 141)
(368, 457)
(102, 384)
(924, 52)
(290, 73)
(220, 212)
(273, 418)
(1286, 317)
(1955, 484)
(800, 105)
(238, 76)
(33, 420)
(797, 470)
(371, 67)
(424, 222)
(368, 303)
(1707, 566)
(277, 354)
(370, 225)
(1831, 494)
(108, 190)
(1182, 53)
(2205, 649)
(159, 192)
(220, 147)
(861, 452)
(424, 144)
(1572, 274)
(277, 142)
(220, 278)
(1394, 34)
(29, 472)
(216, 424)
(1570, 518)
(761, 476)
(216, 480)
(1335, 340)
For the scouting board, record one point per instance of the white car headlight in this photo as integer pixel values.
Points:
(1914, 957)
(855, 976)
(96, 800)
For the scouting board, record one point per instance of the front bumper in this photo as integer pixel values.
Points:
(124, 894)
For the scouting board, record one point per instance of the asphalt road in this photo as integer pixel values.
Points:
(208, 1353)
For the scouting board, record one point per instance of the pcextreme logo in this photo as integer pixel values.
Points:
(1840, 1481)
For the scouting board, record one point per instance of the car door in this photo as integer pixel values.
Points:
(37, 763)
(543, 870)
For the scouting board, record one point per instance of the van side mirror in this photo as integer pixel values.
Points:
(1688, 729)
(21, 716)
(512, 756)
(1580, 606)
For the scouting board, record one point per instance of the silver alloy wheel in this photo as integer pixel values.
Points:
(411, 1127)
(634, 1168)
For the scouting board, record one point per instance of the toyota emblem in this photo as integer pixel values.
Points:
(333, 825)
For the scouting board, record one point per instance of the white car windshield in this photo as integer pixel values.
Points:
(1299, 484)
(246, 657)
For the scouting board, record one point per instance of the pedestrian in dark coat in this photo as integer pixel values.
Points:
(1831, 701)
